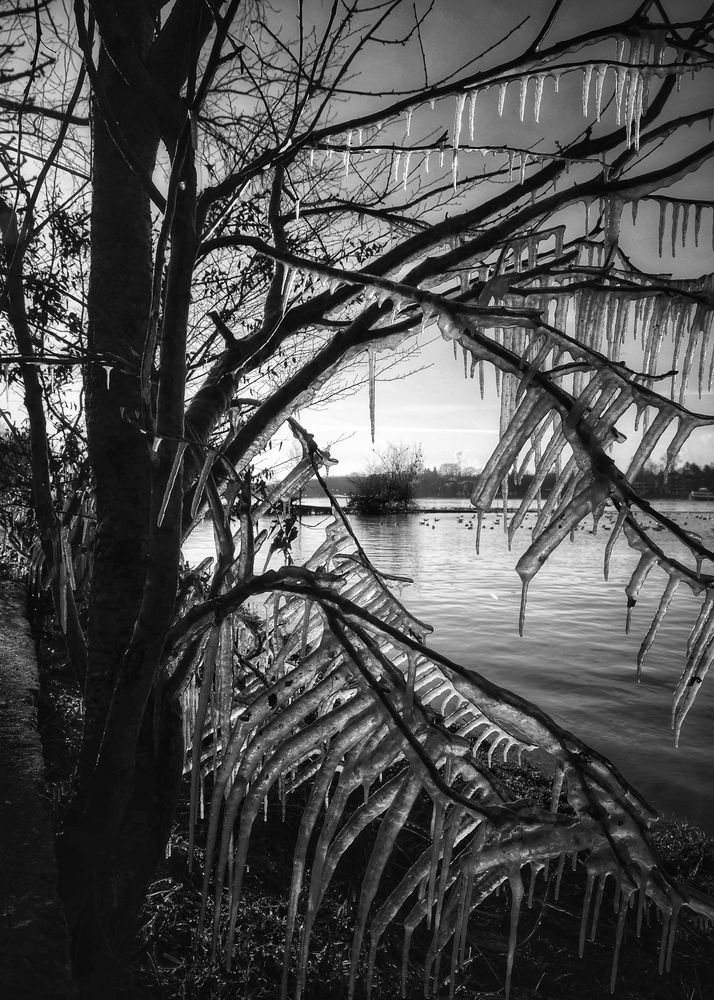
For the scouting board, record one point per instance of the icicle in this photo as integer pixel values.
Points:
(676, 208)
(511, 157)
(397, 161)
(407, 158)
(697, 222)
(685, 223)
(684, 428)
(437, 827)
(662, 217)
(600, 71)
(372, 386)
(640, 101)
(619, 88)
(312, 158)
(538, 97)
(524, 94)
(630, 92)
(634, 205)
(454, 169)
(586, 910)
(516, 899)
(458, 115)
(108, 372)
(587, 74)
(598, 903)
(156, 444)
(639, 575)
(408, 116)
(559, 874)
(619, 933)
(346, 161)
(502, 87)
(687, 366)
(297, 209)
(524, 164)
(664, 603)
(556, 81)
(473, 96)
(524, 598)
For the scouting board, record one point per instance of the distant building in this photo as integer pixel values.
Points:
(471, 471)
(450, 469)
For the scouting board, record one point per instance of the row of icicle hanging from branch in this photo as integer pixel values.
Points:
(601, 319)
(527, 420)
(633, 75)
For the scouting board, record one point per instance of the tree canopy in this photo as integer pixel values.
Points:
(212, 215)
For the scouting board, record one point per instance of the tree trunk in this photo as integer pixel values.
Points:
(120, 822)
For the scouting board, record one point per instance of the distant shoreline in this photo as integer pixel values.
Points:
(308, 508)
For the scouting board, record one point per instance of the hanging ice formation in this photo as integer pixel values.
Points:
(473, 97)
(458, 116)
(407, 158)
(600, 71)
(524, 164)
(587, 74)
(538, 95)
(524, 94)
(372, 376)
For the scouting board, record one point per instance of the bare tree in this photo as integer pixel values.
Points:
(251, 235)
(388, 483)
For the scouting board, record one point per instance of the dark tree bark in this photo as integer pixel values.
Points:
(119, 825)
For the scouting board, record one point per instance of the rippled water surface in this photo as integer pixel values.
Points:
(574, 660)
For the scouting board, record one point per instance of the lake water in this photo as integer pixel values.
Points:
(574, 660)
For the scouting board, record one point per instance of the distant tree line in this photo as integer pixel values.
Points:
(679, 483)
(380, 489)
